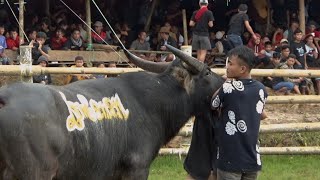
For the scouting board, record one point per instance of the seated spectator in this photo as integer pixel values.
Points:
(58, 40)
(115, 38)
(285, 51)
(166, 39)
(141, 44)
(222, 44)
(42, 78)
(100, 76)
(180, 38)
(99, 37)
(258, 48)
(283, 42)
(74, 42)
(13, 42)
(32, 34)
(312, 29)
(268, 49)
(45, 27)
(274, 64)
(312, 51)
(39, 48)
(3, 46)
(277, 36)
(79, 62)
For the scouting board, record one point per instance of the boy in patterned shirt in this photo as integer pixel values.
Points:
(240, 103)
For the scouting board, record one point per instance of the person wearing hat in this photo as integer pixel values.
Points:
(166, 39)
(42, 78)
(99, 36)
(39, 48)
(237, 24)
(201, 20)
(283, 42)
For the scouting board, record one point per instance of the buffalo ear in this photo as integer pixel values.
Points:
(184, 77)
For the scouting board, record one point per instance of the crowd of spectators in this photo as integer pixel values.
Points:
(272, 50)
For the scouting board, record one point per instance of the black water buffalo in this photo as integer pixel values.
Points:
(100, 129)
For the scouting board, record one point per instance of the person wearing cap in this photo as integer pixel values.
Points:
(237, 24)
(38, 47)
(166, 39)
(99, 37)
(201, 20)
(42, 78)
(283, 42)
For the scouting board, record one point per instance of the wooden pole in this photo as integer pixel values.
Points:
(263, 150)
(302, 17)
(268, 17)
(21, 21)
(25, 68)
(153, 6)
(88, 21)
(185, 27)
(270, 128)
(47, 7)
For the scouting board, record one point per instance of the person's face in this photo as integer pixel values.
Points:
(33, 35)
(164, 35)
(76, 35)
(276, 60)
(40, 40)
(43, 64)
(235, 69)
(258, 40)
(79, 63)
(44, 26)
(285, 52)
(2, 30)
(143, 36)
(268, 48)
(310, 39)
(291, 61)
(298, 36)
(312, 28)
(59, 34)
(98, 28)
(101, 65)
(112, 65)
(294, 26)
(13, 34)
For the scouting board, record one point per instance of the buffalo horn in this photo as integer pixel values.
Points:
(146, 65)
(191, 61)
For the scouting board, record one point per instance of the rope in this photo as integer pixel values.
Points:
(17, 20)
(90, 28)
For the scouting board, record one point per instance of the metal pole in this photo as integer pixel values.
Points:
(302, 17)
(26, 64)
(88, 21)
(21, 21)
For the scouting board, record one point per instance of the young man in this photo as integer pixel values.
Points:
(201, 20)
(79, 62)
(75, 42)
(102, 36)
(13, 42)
(141, 44)
(166, 39)
(241, 102)
(298, 48)
(237, 24)
(42, 78)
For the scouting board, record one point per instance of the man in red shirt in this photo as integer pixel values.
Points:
(98, 27)
(13, 42)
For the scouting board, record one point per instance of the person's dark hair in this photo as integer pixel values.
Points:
(276, 55)
(13, 29)
(243, 7)
(97, 64)
(306, 37)
(245, 54)
(41, 35)
(142, 31)
(285, 47)
(46, 21)
(61, 30)
(2, 26)
(268, 43)
(297, 31)
(294, 21)
(75, 29)
(78, 58)
(291, 56)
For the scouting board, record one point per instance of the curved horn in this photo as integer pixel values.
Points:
(191, 61)
(146, 65)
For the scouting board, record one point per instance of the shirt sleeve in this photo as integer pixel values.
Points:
(193, 16)
(245, 17)
(211, 18)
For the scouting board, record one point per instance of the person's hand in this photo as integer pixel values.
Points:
(254, 36)
(256, 54)
(40, 46)
(263, 51)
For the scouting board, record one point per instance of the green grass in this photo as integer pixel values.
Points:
(274, 168)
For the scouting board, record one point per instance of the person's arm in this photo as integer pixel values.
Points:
(263, 115)
(249, 28)
(305, 61)
(43, 51)
(210, 24)
(192, 22)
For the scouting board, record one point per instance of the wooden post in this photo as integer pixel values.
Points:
(26, 64)
(153, 6)
(302, 17)
(88, 21)
(268, 17)
(47, 7)
(21, 21)
(185, 27)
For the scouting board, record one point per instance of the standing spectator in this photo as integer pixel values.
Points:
(141, 44)
(166, 39)
(289, 33)
(101, 36)
(13, 42)
(237, 24)
(240, 103)
(201, 20)
(258, 48)
(312, 51)
(298, 48)
(58, 40)
(42, 78)
(39, 48)
(74, 42)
